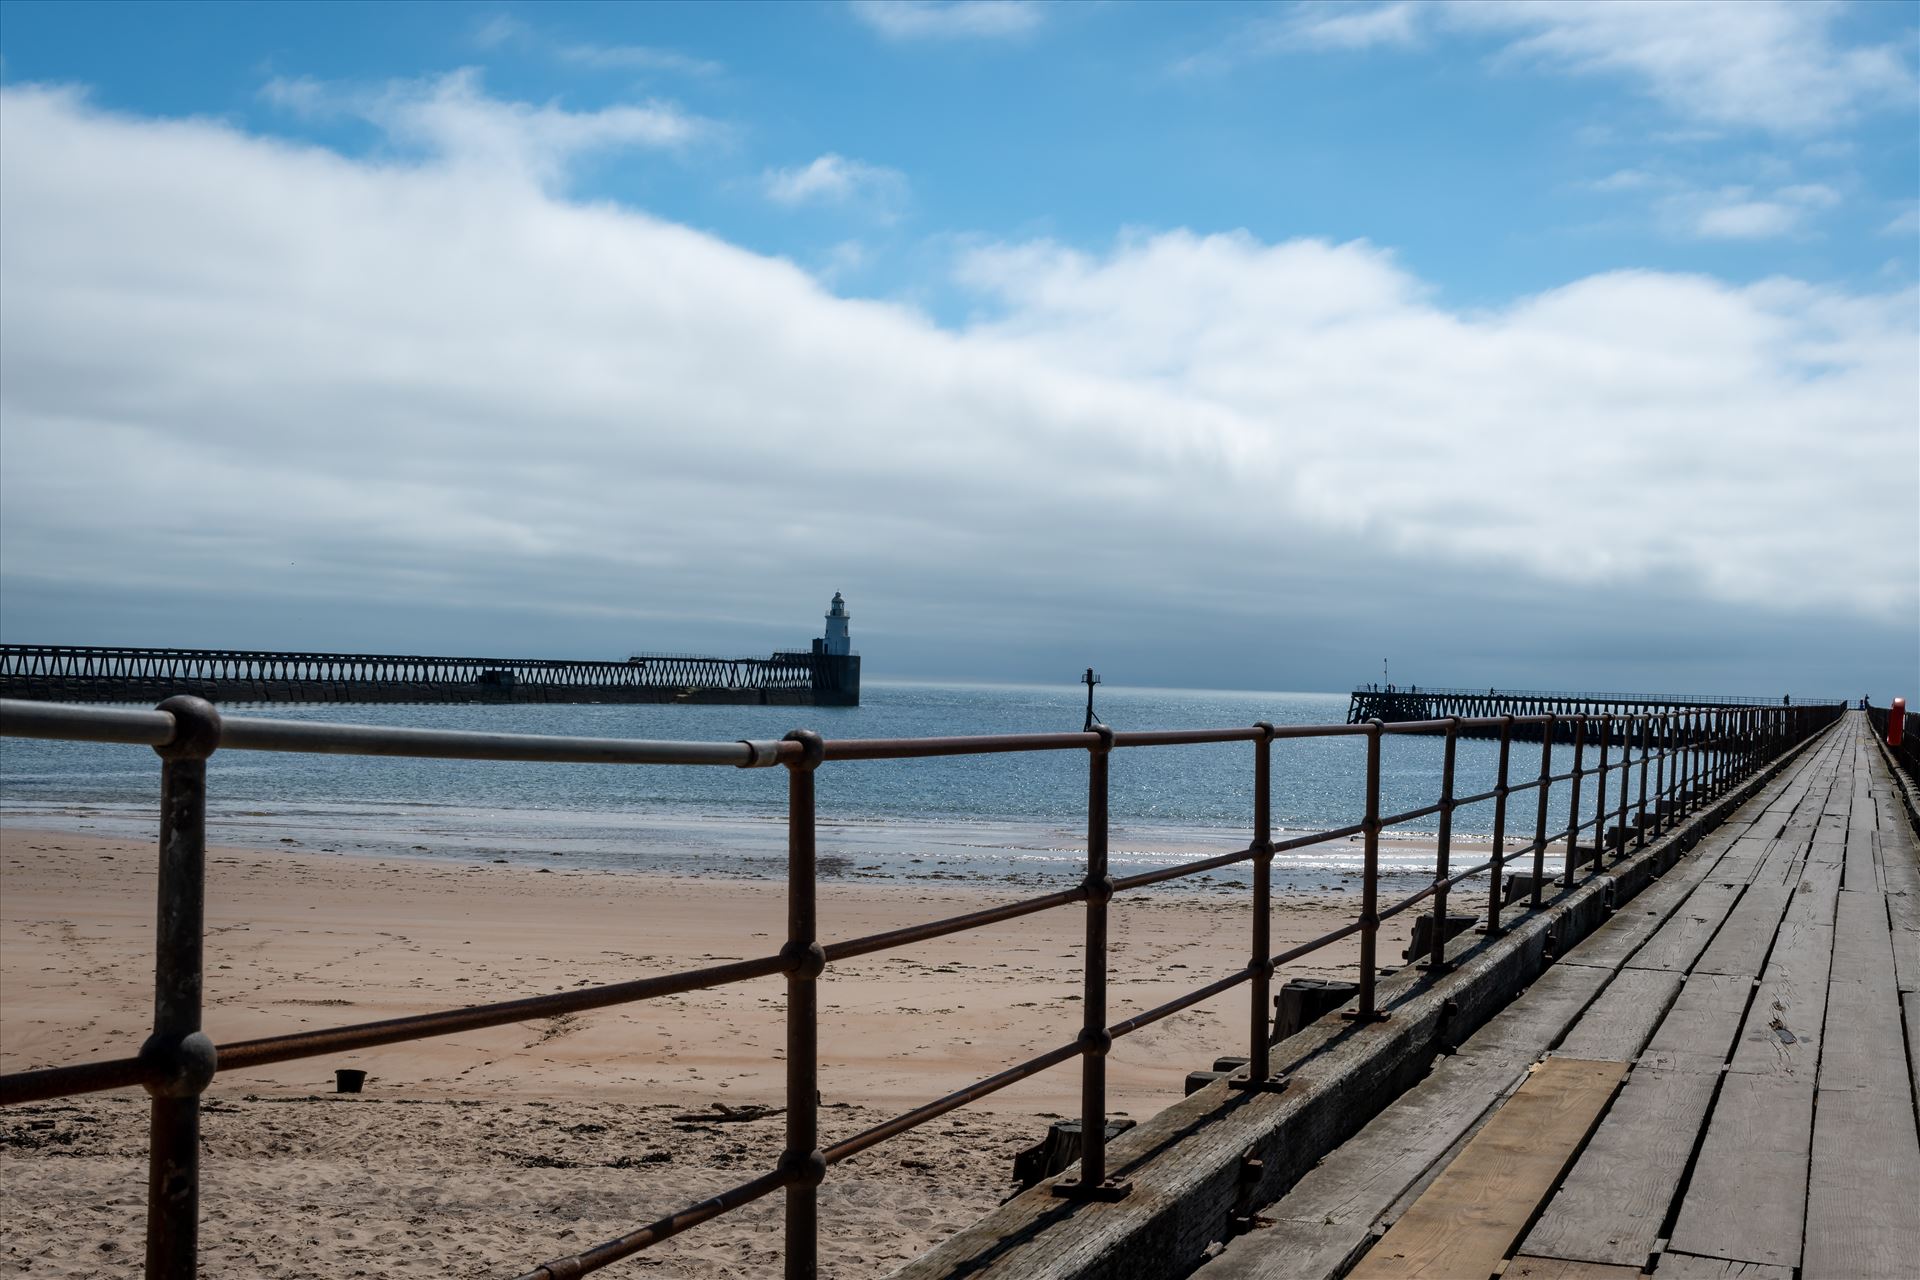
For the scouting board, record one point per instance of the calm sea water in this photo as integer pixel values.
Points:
(1007, 817)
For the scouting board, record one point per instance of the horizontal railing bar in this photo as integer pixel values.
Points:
(1471, 872)
(601, 1255)
(248, 733)
(1411, 814)
(1389, 912)
(1312, 945)
(63, 1082)
(364, 1035)
(967, 745)
(1462, 802)
(1183, 737)
(1164, 874)
(20, 718)
(1197, 995)
(1317, 837)
(952, 924)
(940, 1106)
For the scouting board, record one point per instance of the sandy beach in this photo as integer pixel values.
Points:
(486, 1153)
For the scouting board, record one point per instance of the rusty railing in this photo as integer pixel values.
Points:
(1696, 754)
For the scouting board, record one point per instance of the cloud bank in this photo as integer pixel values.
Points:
(240, 365)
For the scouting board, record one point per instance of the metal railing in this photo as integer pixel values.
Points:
(1695, 756)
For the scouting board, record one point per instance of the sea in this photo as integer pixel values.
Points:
(1018, 819)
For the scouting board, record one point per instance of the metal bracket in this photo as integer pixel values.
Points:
(1109, 1190)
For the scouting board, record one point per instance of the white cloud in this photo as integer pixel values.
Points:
(1625, 180)
(451, 117)
(1904, 223)
(952, 20)
(834, 179)
(1770, 64)
(438, 384)
(635, 57)
(1738, 213)
(1349, 26)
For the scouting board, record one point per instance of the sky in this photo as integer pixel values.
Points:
(1542, 345)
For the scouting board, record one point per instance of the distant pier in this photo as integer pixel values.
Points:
(825, 675)
(1402, 704)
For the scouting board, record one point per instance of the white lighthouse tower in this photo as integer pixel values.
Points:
(838, 644)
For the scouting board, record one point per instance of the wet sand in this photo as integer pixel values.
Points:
(488, 1152)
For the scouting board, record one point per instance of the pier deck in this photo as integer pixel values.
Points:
(1720, 1081)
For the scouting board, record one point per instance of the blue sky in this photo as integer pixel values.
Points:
(1215, 304)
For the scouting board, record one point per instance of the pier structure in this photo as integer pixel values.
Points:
(825, 675)
(1400, 704)
(1719, 1082)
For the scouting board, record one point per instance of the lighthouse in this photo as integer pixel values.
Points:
(837, 642)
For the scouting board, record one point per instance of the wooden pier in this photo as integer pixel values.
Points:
(1720, 1081)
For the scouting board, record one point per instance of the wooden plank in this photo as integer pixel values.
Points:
(1687, 1266)
(1612, 1205)
(1740, 948)
(1330, 1213)
(1681, 940)
(1639, 919)
(1699, 1030)
(1863, 1193)
(1782, 864)
(1862, 873)
(1542, 1014)
(1525, 1268)
(1477, 1207)
(1783, 1025)
(1906, 959)
(1815, 894)
(1616, 1027)
(1748, 1195)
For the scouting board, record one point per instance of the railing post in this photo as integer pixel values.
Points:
(1370, 885)
(1259, 1053)
(1436, 961)
(1626, 776)
(1540, 817)
(1095, 1041)
(1573, 805)
(178, 1053)
(1600, 797)
(1500, 792)
(1646, 747)
(802, 1162)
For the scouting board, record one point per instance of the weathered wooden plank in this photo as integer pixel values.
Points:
(1815, 894)
(1687, 1266)
(1543, 1014)
(1906, 959)
(1863, 1193)
(1526, 1268)
(1783, 1025)
(1864, 1043)
(1471, 1215)
(1862, 870)
(1782, 864)
(1748, 1194)
(1685, 935)
(1642, 916)
(1741, 946)
(1613, 1203)
(1699, 1030)
(1616, 1026)
(1330, 1213)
